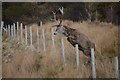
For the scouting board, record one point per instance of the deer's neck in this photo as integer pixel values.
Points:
(68, 31)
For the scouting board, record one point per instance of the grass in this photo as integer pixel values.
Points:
(27, 61)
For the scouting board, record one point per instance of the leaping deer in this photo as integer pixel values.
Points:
(75, 37)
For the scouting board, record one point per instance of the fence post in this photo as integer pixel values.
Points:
(77, 55)
(14, 30)
(6, 29)
(96, 15)
(37, 35)
(44, 41)
(26, 42)
(9, 30)
(116, 68)
(17, 28)
(31, 36)
(21, 30)
(52, 38)
(63, 50)
(93, 63)
(2, 23)
(41, 23)
(1, 27)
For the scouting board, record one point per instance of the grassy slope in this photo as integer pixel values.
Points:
(19, 61)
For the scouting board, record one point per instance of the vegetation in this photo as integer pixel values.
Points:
(37, 11)
(20, 61)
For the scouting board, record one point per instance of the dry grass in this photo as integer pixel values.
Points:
(25, 61)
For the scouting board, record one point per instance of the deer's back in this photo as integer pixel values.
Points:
(81, 39)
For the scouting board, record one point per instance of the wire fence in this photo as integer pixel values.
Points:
(13, 31)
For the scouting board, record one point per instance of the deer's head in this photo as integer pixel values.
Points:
(60, 28)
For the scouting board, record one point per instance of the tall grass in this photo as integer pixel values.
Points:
(28, 62)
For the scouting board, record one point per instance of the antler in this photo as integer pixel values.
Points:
(61, 10)
(53, 12)
(54, 15)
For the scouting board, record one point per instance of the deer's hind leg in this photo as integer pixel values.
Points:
(88, 55)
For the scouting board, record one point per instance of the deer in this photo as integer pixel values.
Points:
(74, 37)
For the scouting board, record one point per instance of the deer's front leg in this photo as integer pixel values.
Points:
(72, 41)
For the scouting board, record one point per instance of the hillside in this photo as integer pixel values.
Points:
(21, 61)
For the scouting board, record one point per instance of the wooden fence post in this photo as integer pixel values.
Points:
(53, 38)
(77, 55)
(21, 30)
(63, 50)
(31, 44)
(96, 15)
(17, 28)
(6, 29)
(43, 37)
(26, 42)
(38, 40)
(9, 30)
(93, 63)
(1, 44)
(1, 27)
(44, 41)
(41, 23)
(14, 29)
(116, 68)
